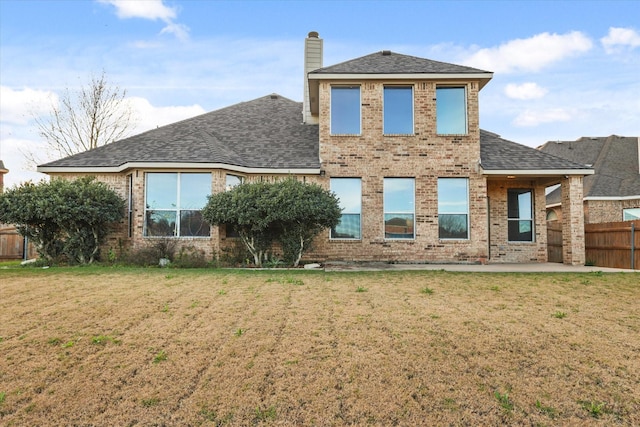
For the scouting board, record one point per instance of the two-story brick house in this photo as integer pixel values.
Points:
(396, 137)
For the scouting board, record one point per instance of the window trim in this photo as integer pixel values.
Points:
(465, 112)
(345, 86)
(130, 205)
(531, 220)
(178, 210)
(413, 113)
(343, 212)
(624, 213)
(468, 213)
(385, 212)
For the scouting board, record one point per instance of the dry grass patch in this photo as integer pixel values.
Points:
(221, 347)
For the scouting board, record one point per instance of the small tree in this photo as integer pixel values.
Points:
(304, 210)
(247, 209)
(88, 207)
(63, 217)
(288, 211)
(94, 115)
(27, 206)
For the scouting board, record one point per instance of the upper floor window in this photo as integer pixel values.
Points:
(520, 215)
(399, 208)
(398, 110)
(630, 214)
(349, 191)
(345, 110)
(173, 204)
(451, 110)
(453, 208)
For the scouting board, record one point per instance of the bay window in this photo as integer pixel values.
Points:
(173, 204)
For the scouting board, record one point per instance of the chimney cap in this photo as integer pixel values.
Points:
(313, 35)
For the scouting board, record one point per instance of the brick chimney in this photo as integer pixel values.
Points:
(3, 171)
(312, 61)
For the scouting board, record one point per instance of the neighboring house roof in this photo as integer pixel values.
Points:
(500, 156)
(614, 159)
(266, 133)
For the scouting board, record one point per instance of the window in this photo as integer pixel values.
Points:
(173, 203)
(398, 110)
(345, 110)
(520, 215)
(232, 181)
(130, 205)
(630, 214)
(349, 191)
(399, 208)
(451, 111)
(453, 208)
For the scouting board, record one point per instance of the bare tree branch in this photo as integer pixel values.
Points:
(95, 115)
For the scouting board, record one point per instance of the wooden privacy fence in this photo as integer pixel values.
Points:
(613, 244)
(554, 241)
(12, 244)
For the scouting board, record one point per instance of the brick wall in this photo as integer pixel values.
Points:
(598, 211)
(424, 156)
(501, 249)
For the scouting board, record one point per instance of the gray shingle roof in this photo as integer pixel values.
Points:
(614, 159)
(268, 133)
(500, 154)
(264, 133)
(395, 63)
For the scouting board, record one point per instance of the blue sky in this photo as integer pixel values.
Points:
(562, 69)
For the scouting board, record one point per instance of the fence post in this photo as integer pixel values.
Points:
(633, 245)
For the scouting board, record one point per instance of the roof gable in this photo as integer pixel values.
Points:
(387, 62)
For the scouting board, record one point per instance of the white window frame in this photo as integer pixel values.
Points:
(333, 182)
(331, 108)
(384, 109)
(521, 218)
(386, 183)
(466, 112)
(177, 209)
(635, 216)
(451, 212)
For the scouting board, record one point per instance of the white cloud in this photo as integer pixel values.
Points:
(181, 31)
(152, 117)
(20, 169)
(532, 54)
(19, 106)
(531, 118)
(148, 9)
(152, 10)
(524, 91)
(620, 38)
